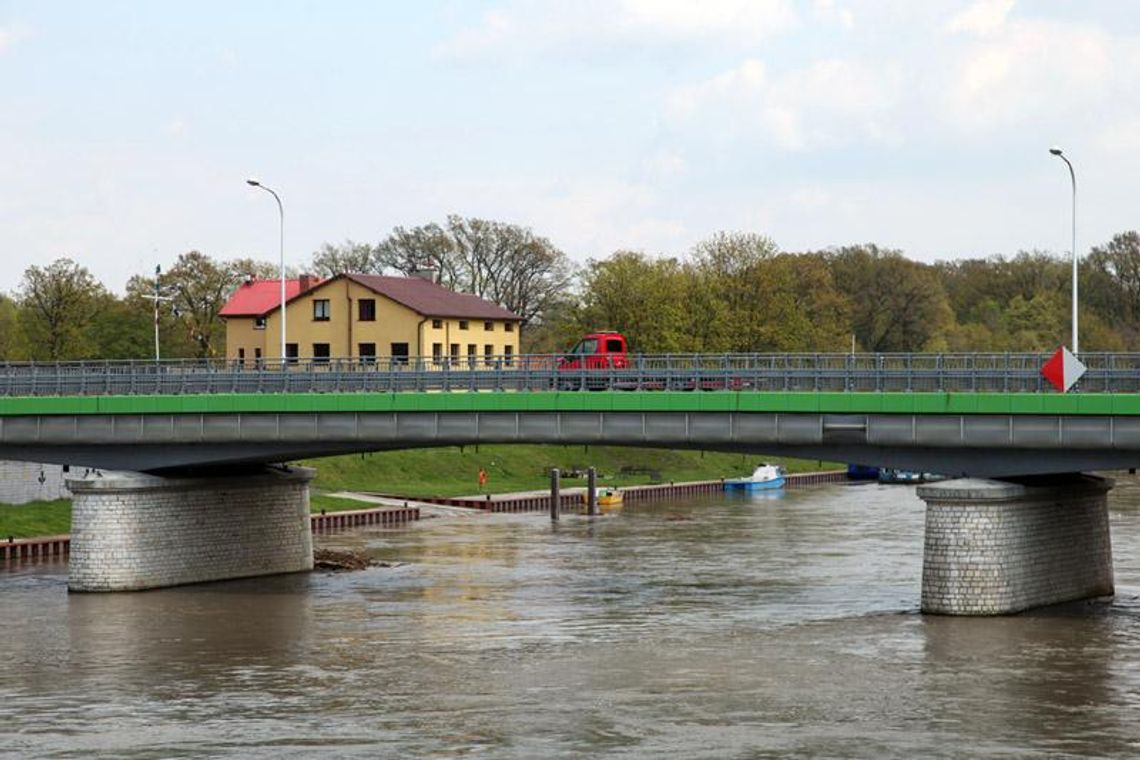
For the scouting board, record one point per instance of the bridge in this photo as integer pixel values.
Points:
(197, 427)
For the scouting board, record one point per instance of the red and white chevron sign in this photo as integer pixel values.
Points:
(1063, 369)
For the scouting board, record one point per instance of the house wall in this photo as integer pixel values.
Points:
(241, 333)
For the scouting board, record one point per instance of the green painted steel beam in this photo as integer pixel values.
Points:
(603, 401)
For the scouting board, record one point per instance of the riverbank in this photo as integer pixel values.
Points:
(387, 510)
(454, 471)
(435, 474)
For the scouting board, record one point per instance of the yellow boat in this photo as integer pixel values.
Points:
(607, 497)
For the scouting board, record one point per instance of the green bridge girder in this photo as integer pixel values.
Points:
(1100, 404)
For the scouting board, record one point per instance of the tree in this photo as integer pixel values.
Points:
(11, 347)
(1112, 283)
(349, 256)
(504, 263)
(58, 303)
(642, 297)
(746, 296)
(199, 287)
(897, 304)
(122, 329)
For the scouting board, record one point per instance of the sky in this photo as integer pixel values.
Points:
(128, 129)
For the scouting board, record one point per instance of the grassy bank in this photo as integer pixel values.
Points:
(36, 518)
(454, 471)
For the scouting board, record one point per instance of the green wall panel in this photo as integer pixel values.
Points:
(710, 401)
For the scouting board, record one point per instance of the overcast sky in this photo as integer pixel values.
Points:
(128, 129)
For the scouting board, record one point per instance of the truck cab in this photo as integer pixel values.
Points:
(597, 350)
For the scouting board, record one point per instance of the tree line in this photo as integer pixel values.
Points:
(731, 293)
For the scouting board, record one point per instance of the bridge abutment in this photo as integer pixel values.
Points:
(132, 531)
(995, 547)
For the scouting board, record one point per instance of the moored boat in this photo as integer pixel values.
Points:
(609, 497)
(764, 477)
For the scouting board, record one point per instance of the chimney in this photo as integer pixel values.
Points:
(424, 273)
(307, 281)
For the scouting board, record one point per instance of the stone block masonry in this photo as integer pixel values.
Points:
(995, 547)
(131, 531)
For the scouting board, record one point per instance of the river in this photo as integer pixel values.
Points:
(707, 628)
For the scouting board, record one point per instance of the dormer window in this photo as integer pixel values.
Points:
(259, 323)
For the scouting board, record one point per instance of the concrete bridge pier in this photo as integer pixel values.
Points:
(132, 531)
(996, 547)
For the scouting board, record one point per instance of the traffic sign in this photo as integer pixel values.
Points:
(1063, 369)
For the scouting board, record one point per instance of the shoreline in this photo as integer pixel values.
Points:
(393, 510)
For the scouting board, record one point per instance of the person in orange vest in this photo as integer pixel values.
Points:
(482, 477)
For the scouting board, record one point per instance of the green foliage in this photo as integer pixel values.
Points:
(732, 292)
(897, 304)
(349, 257)
(643, 297)
(58, 303)
(505, 263)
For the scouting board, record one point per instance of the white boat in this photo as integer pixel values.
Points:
(764, 477)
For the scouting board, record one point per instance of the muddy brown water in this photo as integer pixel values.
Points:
(764, 625)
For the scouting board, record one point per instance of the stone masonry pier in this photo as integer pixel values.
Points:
(995, 547)
(132, 531)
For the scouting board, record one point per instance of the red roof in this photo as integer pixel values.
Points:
(432, 300)
(259, 297)
(255, 298)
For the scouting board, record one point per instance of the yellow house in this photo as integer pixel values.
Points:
(364, 316)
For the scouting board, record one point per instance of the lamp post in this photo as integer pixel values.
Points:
(281, 209)
(156, 297)
(1072, 175)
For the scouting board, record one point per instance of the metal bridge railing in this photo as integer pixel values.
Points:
(958, 373)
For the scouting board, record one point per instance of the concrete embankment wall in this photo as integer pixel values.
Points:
(572, 500)
(21, 482)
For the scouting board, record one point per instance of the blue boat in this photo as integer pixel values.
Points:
(765, 477)
(891, 475)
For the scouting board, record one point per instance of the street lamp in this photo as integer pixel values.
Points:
(281, 209)
(1073, 175)
(156, 297)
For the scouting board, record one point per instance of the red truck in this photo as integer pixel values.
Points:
(597, 350)
(582, 367)
(586, 367)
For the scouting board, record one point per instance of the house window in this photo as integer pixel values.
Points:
(291, 352)
(320, 309)
(367, 352)
(509, 326)
(472, 353)
(257, 357)
(259, 323)
(241, 355)
(508, 352)
(437, 323)
(463, 324)
(455, 352)
(488, 352)
(436, 352)
(320, 353)
(489, 326)
(399, 353)
(366, 309)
